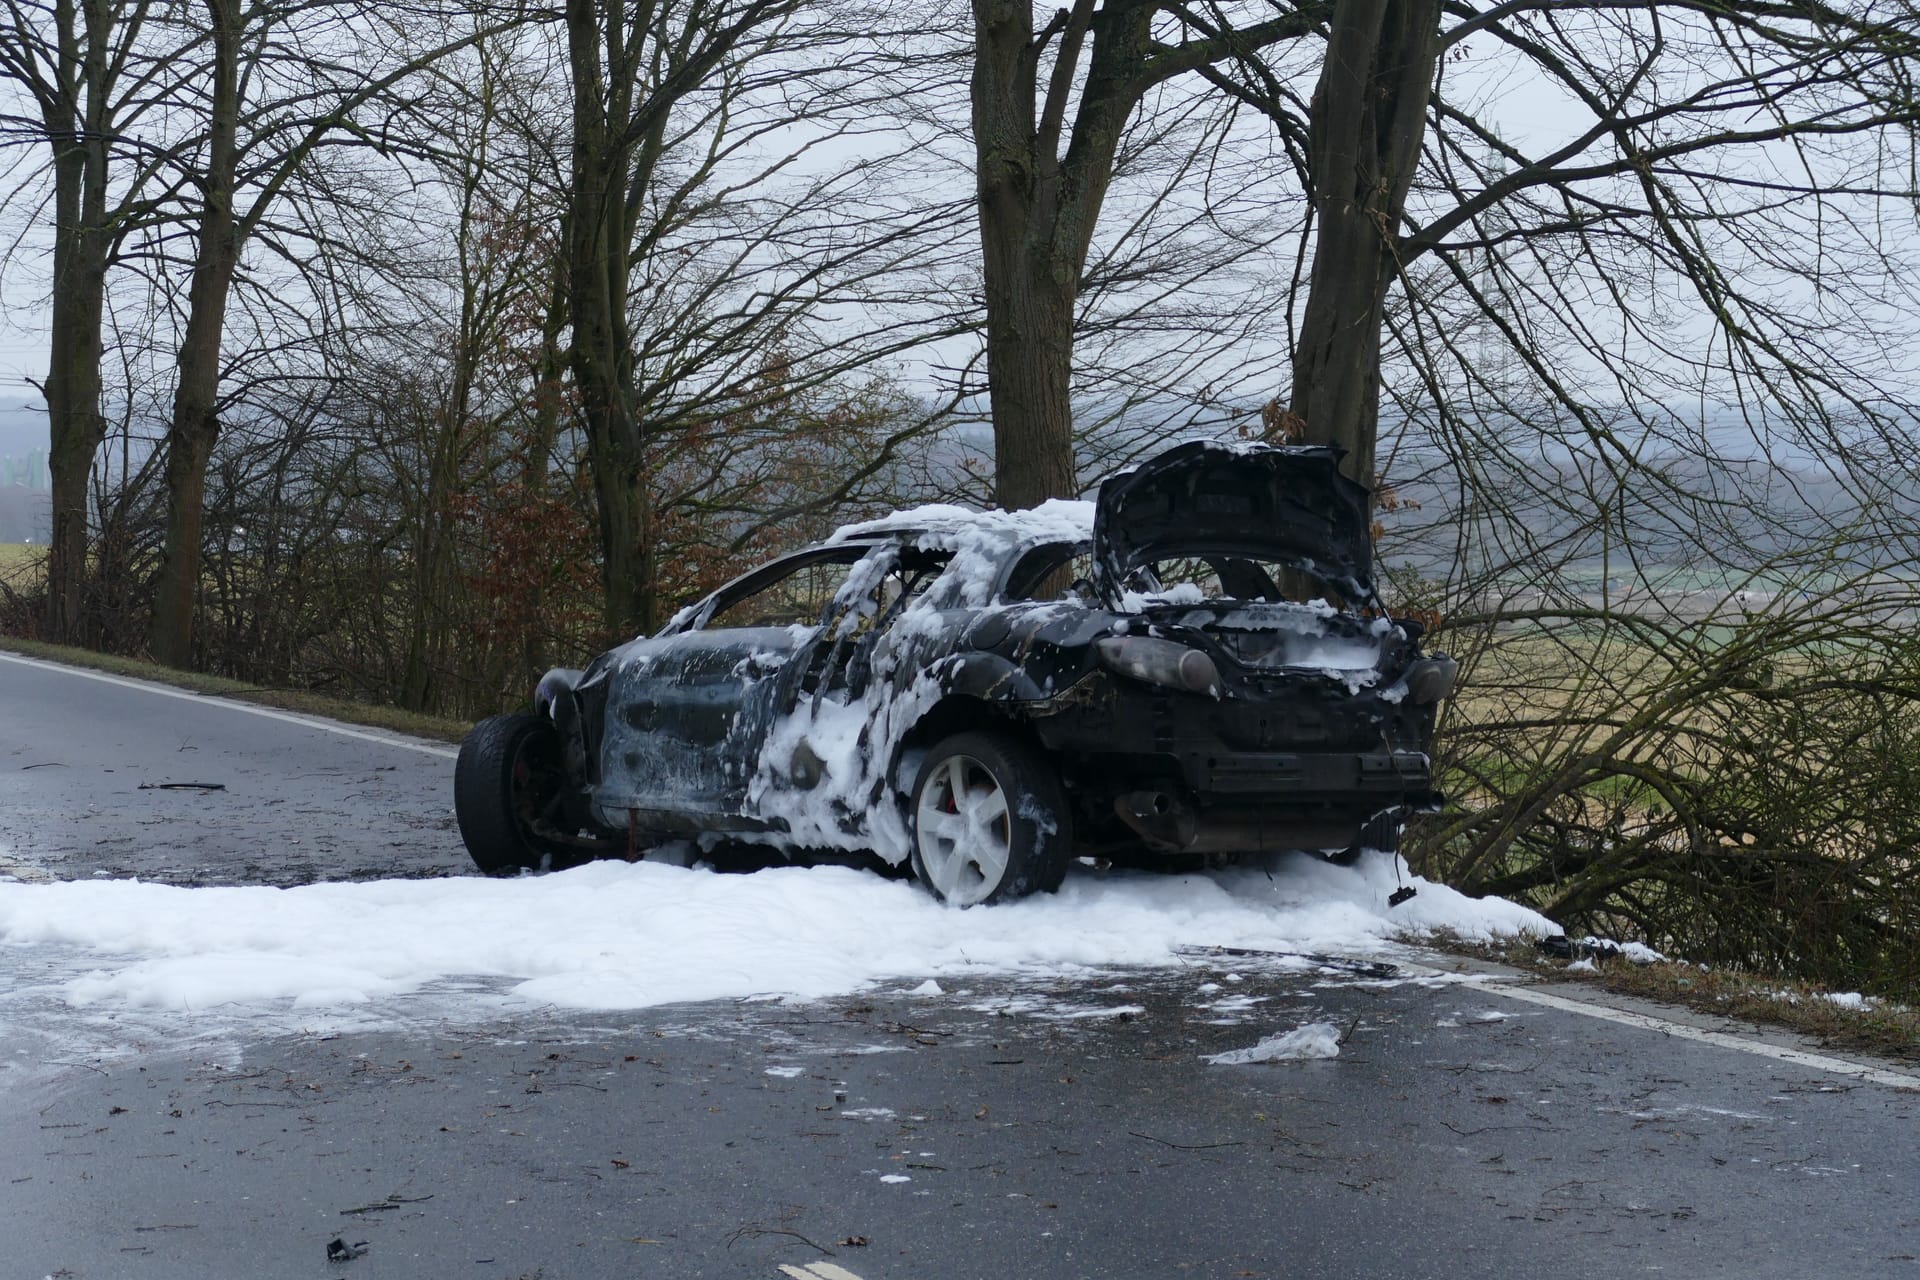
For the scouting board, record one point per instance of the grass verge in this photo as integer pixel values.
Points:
(370, 714)
(1881, 1028)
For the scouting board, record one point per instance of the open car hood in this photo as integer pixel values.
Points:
(1284, 503)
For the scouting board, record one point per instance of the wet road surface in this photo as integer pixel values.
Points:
(104, 776)
(901, 1137)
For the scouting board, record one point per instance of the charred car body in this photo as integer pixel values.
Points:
(989, 694)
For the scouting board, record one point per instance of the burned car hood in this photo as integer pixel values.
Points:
(1284, 503)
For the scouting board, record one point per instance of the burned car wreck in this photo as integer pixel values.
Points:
(986, 695)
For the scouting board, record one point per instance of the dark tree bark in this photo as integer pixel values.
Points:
(75, 423)
(605, 59)
(195, 425)
(1365, 128)
(1039, 204)
(1037, 216)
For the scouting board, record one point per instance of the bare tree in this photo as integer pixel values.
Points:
(88, 79)
(631, 71)
(1668, 98)
(1045, 148)
(327, 97)
(1647, 365)
(1364, 132)
(707, 225)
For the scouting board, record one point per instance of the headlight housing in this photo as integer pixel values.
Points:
(1162, 662)
(1430, 679)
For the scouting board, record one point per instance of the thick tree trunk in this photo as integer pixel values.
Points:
(1029, 352)
(1368, 119)
(77, 129)
(186, 474)
(75, 422)
(1037, 210)
(599, 231)
(195, 425)
(620, 483)
(1029, 378)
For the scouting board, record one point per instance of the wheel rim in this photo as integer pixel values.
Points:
(964, 830)
(534, 786)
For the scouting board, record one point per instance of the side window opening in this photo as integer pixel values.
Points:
(801, 596)
(866, 612)
(1058, 570)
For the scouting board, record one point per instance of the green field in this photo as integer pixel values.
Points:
(22, 564)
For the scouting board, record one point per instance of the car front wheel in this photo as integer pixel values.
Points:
(989, 821)
(507, 783)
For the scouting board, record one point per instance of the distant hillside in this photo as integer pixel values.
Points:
(26, 515)
(23, 428)
(26, 508)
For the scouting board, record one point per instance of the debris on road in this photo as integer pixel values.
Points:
(1346, 964)
(391, 1202)
(338, 1250)
(1314, 1040)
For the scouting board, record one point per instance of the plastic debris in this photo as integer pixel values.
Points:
(338, 1250)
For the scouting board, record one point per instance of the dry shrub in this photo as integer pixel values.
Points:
(1735, 791)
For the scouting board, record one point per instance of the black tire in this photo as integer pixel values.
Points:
(1382, 833)
(508, 775)
(1031, 826)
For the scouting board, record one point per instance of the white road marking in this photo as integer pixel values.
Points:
(818, 1271)
(1721, 1039)
(267, 713)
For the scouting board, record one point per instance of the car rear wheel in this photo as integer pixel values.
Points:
(989, 821)
(508, 782)
(1382, 833)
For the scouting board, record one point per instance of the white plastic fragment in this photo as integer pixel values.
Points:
(1314, 1040)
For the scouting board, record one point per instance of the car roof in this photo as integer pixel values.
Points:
(946, 525)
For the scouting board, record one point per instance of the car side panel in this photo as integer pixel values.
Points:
(687, 714)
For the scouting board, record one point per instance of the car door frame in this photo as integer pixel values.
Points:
(733, 683)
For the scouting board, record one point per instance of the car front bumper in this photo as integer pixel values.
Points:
(1278, 774)
(1174, 767)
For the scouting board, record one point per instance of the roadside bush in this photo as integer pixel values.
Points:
(1736, 791)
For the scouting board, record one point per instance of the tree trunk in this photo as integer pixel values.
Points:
(1367, 120)
(186, 474)
(538, 458)
(74, 421)
(1038, 204)
(195, 425)
(1029, 375)
(598, 230)
(76, 125)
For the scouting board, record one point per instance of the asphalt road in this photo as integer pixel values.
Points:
(98, 774)
(1464, 1130)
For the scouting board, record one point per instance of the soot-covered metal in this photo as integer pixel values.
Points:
(985, 695)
